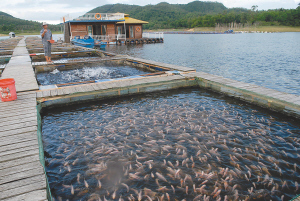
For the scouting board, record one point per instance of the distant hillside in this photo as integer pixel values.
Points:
(9, 23)
(202, 14)
(164, 15)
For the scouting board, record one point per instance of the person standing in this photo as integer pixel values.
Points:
(46, 37)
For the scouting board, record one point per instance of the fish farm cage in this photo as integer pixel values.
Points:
(115, 127)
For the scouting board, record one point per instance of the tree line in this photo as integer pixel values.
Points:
(286, 17)
(202, 14)
(9, 23)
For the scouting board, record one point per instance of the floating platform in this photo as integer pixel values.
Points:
(22, 175)
(142, 41)
(22, 161)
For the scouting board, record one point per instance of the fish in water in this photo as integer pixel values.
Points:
(180, 146)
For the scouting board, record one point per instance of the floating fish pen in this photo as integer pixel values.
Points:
(89, 72)
(156, 131)
(187, 144)
(34, 46)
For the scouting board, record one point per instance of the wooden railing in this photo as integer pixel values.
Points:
(111, 37)
(153, 35)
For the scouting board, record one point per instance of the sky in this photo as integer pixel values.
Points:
(52, 11)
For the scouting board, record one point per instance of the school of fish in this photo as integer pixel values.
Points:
(181, 145)
(88, 72)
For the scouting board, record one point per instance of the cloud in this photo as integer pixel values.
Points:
(52, 10)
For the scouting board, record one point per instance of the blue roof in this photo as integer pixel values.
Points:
(78, 21)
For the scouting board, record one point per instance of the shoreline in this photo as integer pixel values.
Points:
(259, 29)
(269, 29)
(30, 33)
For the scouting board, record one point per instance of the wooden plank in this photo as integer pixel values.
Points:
(19, 150)
(17, 109)
(21, 116)
(30, 196)
(19, 125)
(22, 175)
(19, 161)
(18, 155)
(20, 120)
(19, 168)
(13, 139)
(19, 112)
(19, 101)
(23, 182)
(25, 94)
(19, 145)
(18, 131)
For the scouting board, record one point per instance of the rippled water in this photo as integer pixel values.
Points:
(87, 74)
(269, 60)
(182, 144)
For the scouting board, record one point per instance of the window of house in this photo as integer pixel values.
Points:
(131, 32)
(119, 30)
(90, 30)
(103, 27)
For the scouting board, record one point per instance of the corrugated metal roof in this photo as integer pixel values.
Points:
(130, 20)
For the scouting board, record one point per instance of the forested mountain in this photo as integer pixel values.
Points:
(201, 14)
(9, 23)
(165, 15)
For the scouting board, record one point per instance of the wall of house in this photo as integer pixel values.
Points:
(79, 30)
(111, 29)
(138, 30)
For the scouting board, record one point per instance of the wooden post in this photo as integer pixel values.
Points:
(66, 33)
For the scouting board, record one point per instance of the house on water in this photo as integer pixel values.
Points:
(110, 27)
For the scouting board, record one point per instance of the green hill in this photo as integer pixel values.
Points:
(163, 15)
(9, 23)
(202, 14)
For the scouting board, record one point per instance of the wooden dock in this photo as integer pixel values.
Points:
(22, 175)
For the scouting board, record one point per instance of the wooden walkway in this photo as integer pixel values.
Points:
(22, 175)
(20, 68)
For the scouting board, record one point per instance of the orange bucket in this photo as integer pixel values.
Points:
(8, 90)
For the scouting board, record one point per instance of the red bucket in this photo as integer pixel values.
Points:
(8, 89)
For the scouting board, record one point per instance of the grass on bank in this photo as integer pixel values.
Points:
(204, 29)
(32, 33)
(249, 29)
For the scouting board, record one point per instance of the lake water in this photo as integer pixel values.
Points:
(4, 37)
(269, 60)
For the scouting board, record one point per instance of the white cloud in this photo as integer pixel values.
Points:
(52, 10)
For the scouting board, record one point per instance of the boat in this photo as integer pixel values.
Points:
(100, 44)
(89, 42)
(228, 31)
(86, 41)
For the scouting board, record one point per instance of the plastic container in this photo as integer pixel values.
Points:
(7, 90)
(51, 41)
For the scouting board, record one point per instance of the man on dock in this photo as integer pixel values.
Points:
(46, 37)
